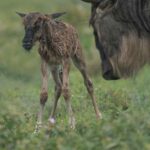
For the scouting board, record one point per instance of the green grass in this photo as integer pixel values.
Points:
(125, 104)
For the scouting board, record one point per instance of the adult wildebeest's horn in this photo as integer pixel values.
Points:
(92, 1)
(56, 15)
(21, 14)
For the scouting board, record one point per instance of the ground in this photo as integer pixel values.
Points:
(125, 104)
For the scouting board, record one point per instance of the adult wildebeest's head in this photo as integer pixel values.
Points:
(107, 68)
(33, 23)
(122, 35)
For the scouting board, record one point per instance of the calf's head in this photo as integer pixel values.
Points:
(33, 24)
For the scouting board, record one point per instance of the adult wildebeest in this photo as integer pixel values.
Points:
(59, 43)
(122, 35)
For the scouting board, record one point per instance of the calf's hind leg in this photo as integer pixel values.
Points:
(80, 64)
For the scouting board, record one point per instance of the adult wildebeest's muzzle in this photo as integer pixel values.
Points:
(108, 72)
(28, 39)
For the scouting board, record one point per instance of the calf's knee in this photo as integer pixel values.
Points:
(43, 97)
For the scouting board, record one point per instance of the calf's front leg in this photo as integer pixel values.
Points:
(43, 94)
(66, 92)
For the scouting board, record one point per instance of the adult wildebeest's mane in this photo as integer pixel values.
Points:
(135, 12)
(122, 35)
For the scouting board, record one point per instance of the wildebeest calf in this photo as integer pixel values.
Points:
(58, 44)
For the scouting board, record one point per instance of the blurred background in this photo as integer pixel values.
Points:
(125, 104)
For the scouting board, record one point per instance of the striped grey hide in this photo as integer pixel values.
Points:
(122, 35)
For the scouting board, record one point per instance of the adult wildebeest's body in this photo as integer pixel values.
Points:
(122, 35)
(58, 43)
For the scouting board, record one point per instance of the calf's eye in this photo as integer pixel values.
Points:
(36, 27)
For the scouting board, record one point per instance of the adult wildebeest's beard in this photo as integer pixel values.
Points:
(28, 39)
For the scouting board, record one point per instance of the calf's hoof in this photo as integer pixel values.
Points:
(38, 127)
(72, 123)
(51, 121)
(99, 116)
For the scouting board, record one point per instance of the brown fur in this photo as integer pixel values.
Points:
(59, 43)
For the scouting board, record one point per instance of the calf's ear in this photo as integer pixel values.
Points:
(57, 15)
(92, 1)
(21, 14)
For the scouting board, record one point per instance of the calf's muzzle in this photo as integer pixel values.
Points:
(28, 39)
